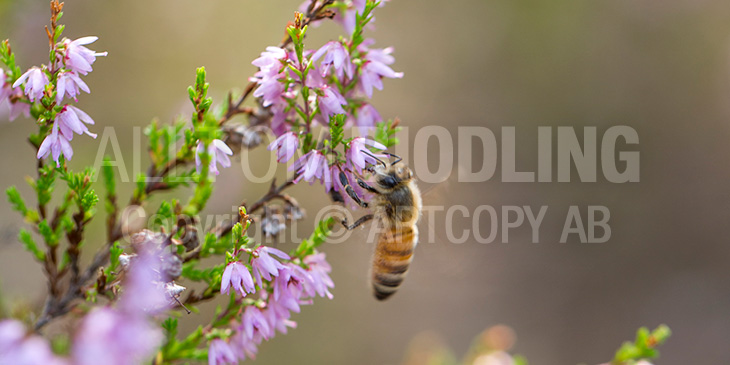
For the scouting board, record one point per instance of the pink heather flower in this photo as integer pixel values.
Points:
(124, 335)
(281, 114)
(278, 317)
(6, 92)
(382, 55)
(71, 118)
(264, 266)
(289, 285)
(286, 145)
(319, 271)
(331, 102)
(335, 54)
(376, 67)
(244, 347)
(310, 166)
(315, 78)
(254, 324)
(220, 353)
(234, 275)
(331, 177)
(270, 89)
(367, 118)
(116, 337)
(271, 58)
(34, 350)
(55, 143)
(17, 109)
(347, 18)
(78, 58)
(372, 75)
(35, 83)
(327, 178)
(270, 73)
(218, 152)
(355, 153)
(12, 332)
(16, 348)
(69, 84)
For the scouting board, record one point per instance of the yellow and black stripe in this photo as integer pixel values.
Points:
(393, 256)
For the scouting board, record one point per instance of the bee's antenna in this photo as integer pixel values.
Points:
(373, 156)
(397, 158)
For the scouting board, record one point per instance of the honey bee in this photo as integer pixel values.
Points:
(396, 208)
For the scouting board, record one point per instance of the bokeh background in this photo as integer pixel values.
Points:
(662, 67)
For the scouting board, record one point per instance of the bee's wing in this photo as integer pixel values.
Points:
(436, 193)
(436, 201)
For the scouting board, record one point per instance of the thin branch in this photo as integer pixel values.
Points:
(273, 193)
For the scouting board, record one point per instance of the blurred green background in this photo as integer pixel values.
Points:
(662, 67)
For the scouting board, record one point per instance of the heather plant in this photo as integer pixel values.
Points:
(126, 301)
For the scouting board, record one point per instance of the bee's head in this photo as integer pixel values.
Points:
(390, 176)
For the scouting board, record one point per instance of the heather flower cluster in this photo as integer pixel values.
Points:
(330, 87)
(123, 334)
(50, 85)
(281, 283)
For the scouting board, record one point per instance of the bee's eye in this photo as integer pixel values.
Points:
(388, 182)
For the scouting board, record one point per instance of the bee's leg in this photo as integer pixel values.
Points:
(358, 222)
(350, 191)
(367, 187)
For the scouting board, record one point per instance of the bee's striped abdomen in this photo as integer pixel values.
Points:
(393, 255)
